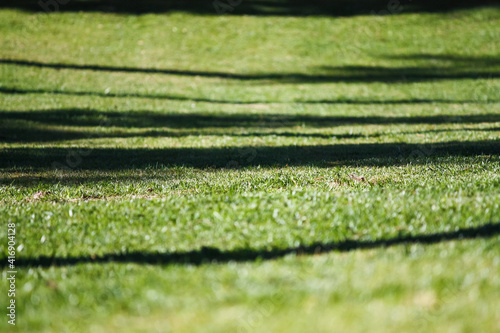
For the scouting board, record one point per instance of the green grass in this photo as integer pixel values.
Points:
(182, 172)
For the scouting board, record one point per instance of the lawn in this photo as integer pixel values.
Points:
(179, 170)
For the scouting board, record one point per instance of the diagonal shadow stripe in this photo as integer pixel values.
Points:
(393, 153)
(286, 8)
(346, 74)
(208, 255)
(18, 91)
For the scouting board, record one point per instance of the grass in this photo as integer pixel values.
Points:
(187, 172)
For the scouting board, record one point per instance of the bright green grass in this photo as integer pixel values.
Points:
(195, 172)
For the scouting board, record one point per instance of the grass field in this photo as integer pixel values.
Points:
(192, 172)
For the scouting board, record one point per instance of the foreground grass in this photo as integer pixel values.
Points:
(188, 173)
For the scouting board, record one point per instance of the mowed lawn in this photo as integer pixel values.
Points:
(193, 172)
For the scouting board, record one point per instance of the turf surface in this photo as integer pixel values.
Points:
(185, 171)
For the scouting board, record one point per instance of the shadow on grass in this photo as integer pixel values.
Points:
(38, 135)
(34, 126)
(16, 91)
(445, 68)
(251, 7)
(150, 119)
(377, 154)
(208, 255)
